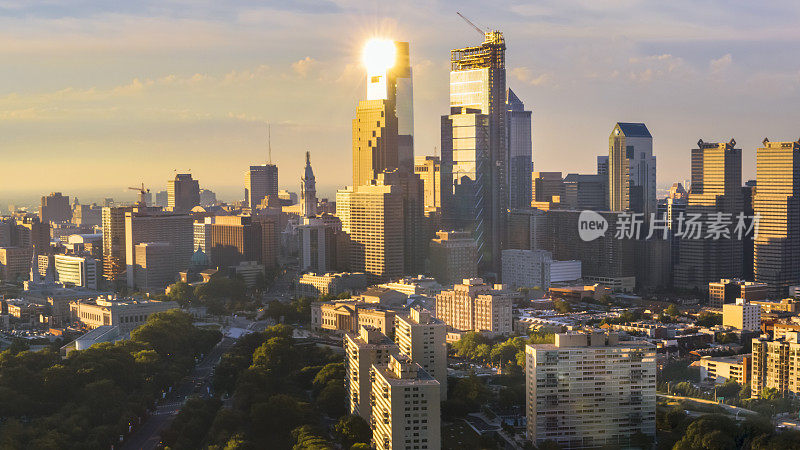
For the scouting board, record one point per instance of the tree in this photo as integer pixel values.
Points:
(746, 391)
(180, 292)
(562, 306)
(770, 394)
(672, 311)
(352, 429)
(709, 432)
(707, 319)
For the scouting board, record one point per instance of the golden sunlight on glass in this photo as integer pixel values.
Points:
(378, 55)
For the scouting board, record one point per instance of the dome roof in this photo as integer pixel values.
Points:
(200, 259)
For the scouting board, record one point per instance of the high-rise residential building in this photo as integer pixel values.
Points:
(590, 390)
(715, 189)
(76, 270)
(478, 88)
(453, 257)
(234, 239)
(776, 253)
(476, 306)
(375, 222)
(727, 290)
(547, 187)
(183, 193)
(147, 226)
(406, 413)
(520, 152)
(631, 169)
(308, 190)
(423, 339)
(429, 170)
(585, 192)
(602, 165)
(114, 262)
(466, 179)
(742, 315)
(260, 182)
(55, 208)
(774, 365)
(527, 268)
(363, 349)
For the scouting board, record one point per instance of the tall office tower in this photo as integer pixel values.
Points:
(466, 179)
(478, 86)
(716, 188)
(114, 262)
(590, 390)
(527, 268)
(520, 152)
(270, 239)
(526, 228)
(407, 411)
(547, 186)
(162, 199)
(429, 169)
(453, 257)
(389, 79)
(602, 165)
(374, 141)
(308, 190)
(375, 228)
(147, 226)
(87, 215)
(585, 192)
(202, 234)
(33, 232)
(415, 234)
(234, 239)
(748, 243)
(631, 169)
(55, 208)
(260, 182)
(776, 254)
(207, 198)
(183, 193)
(154, 266)
(363, 349)
(317, 244)
(422, 338)
(476, 306)
(773, 368)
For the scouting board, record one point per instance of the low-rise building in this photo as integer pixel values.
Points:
(787, 305)
(76, 270)
(741, 315)
(313, 285)
(565, 271)
(127, 314)
(725, 368)
(727, 290)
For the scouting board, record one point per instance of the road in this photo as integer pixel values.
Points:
(198, 382)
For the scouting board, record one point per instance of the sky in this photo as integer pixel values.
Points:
(96, 96)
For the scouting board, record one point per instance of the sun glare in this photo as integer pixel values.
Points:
(378, 55)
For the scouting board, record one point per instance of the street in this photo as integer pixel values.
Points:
(148, 435)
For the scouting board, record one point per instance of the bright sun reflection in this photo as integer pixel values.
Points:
(378, 55)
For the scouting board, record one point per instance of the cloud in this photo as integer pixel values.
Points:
(662, 66)
(720, 64)
(304, 66)
(525, 75)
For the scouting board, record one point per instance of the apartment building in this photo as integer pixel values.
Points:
(476, 306)
(422, 338)
(363, 349)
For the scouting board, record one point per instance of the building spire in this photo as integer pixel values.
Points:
(269, 143)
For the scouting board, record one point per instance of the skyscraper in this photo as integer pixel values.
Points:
(520, 152)
(55, 208)
(260, 182)
(429, 169)
(183, 193)
(715, 188)
(114, 265)
(147, 226)
(478, 88)
(631, 169)
(776, 258)
(308, 190)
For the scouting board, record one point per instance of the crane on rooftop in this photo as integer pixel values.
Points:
(477, 28)
(142, 194)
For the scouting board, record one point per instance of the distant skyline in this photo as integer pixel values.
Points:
(108, 95)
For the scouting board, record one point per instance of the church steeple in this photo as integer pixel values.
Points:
(308, 190)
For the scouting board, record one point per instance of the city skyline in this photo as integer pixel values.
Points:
(685, 78)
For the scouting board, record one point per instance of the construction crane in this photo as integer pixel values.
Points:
(477, 28)
(142, 194)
